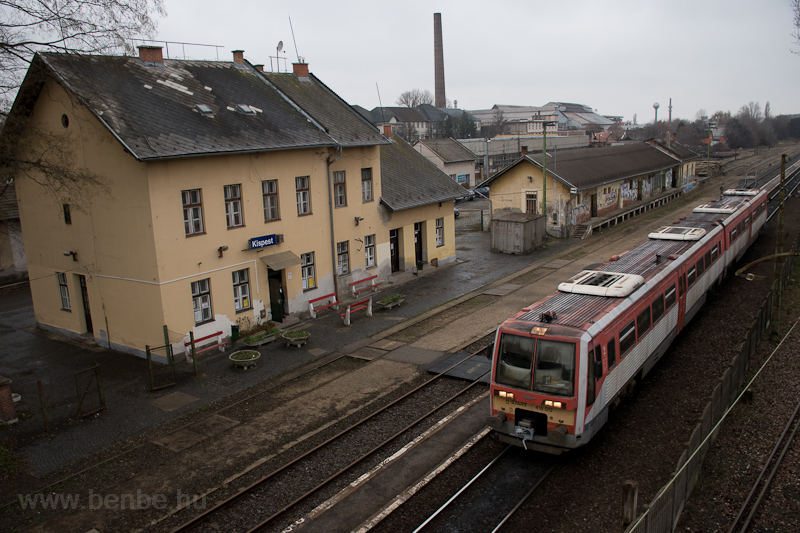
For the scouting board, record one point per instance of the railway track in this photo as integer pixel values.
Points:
(300, 484)
(494, 494)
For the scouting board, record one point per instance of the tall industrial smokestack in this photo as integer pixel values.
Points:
(438, 59)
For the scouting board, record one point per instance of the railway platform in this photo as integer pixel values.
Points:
(448, 309)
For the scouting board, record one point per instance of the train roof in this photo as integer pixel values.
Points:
(587, 297)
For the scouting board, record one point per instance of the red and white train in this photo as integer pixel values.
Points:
(559, 364)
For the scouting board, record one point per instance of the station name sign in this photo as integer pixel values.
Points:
(261, 242)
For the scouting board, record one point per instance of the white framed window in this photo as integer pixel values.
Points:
(307, 270)
(269, 188)
(339, 189)
(439, 232)
(366, 185)
(343, 257)
(64, 290)
(241, 290)
(369, 250)
(201, 299)
(192, 211)
(303, 195)
(233, 206)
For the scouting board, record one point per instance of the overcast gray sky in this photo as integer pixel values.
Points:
(618, 56)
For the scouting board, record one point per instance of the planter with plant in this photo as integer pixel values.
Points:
(261, 337)
(296, 338)
(392, 300)
(244, 358)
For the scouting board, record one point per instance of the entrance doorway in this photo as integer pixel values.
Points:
(87, 314)
(394, 247)
(594, 205)
(277, 298)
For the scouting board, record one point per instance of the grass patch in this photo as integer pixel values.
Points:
(10, 462)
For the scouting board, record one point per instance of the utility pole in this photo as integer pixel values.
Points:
(544, 124)
(777, 283)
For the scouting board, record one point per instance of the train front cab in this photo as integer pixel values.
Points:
(535, 390)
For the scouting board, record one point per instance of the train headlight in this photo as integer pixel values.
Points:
(504, 394)
(551, 403)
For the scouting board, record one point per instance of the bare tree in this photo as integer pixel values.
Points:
(750, 117)
(408, 132)
(93, 26)
(795, 22)
(66, 26)
(414, 97)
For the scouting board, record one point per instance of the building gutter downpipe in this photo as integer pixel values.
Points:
(330, 161)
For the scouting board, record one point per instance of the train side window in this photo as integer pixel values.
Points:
(692, 275)
(612, 353)
(658, 308)
(700, 267)
(669, 298)
(714, 253)
(733, 235)
(627, 338)
(708, 260)
(643, 322)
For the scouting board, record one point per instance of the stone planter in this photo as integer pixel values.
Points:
(392, 301)
(244, 358)
(296, 341)
(260, 342)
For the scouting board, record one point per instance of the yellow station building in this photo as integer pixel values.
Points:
(225, 192)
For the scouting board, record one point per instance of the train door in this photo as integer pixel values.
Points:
(682, 286)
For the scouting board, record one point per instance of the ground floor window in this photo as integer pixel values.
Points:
(241, 290)
(439, 232)
(530, 202)
(201, 298)
(343, 257)
(307, 270)
(62, 286)
(369, 250)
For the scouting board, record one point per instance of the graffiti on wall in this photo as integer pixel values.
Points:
(668, 179)
(630, 191)
(611, 198)
(580, 213)
(647, 188)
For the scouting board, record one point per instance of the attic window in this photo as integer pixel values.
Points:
(204, 110)
(245, 109)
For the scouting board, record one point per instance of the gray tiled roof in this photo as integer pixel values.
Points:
(403, 114)
(589, 167)
(409, 180)
(450, 150)
(151, 108)
(679, 150)
(341, 122)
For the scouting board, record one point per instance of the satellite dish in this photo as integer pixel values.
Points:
(280, 46)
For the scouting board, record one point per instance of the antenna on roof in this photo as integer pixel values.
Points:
(278, 55)
(296, 52)
(383, 117)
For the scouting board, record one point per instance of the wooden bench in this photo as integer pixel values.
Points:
(356, 306)
(219, 344)
(372, 285)
(334, 303)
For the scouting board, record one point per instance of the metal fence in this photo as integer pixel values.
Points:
(473, 220)
(661, 515)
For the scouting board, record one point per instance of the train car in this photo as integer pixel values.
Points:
(560, 363)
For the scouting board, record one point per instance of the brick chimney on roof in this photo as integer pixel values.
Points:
(300, 69)
(238, 57)
(259, 68)
(151, 54)
(387, 130)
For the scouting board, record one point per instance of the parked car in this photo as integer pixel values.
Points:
(468, 195)
(481, 192)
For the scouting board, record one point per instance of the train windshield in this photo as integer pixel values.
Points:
(551, 371)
